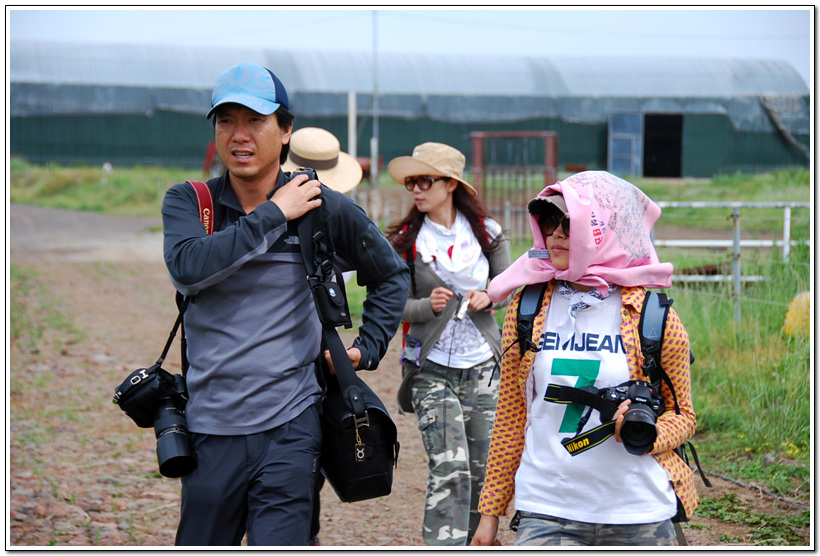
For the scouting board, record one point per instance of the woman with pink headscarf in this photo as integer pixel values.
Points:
(592, 248)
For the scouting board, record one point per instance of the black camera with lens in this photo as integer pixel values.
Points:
(153, 397)
(638, 431)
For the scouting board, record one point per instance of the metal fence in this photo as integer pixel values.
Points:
(736, 244)
(510, 168)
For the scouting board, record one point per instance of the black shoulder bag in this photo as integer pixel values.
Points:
(359, 439)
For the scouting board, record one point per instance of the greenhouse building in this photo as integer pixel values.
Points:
(654, 117)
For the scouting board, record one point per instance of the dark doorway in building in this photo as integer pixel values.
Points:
(662, 145)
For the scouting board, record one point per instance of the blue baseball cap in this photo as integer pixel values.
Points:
(250, 85)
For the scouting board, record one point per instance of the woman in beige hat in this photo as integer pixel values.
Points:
(317, 148)
(452, 341)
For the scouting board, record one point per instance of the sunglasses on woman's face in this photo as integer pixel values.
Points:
(424, 182)
(550, 223)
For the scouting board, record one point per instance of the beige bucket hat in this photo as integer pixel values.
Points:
(317, 148)
(431, 159)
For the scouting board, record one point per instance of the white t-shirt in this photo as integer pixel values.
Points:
(604, 484)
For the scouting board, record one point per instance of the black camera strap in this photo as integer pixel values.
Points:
(182, 303)
(580, 443)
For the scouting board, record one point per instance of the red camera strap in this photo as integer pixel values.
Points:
(206, 205)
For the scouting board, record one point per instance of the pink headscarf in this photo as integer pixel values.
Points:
(609, 241)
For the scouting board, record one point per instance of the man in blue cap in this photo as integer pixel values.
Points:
(254, 337)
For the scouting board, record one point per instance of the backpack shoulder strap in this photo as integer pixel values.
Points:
(653, 320)
(206, 204)
(651, 327)
(528, 306)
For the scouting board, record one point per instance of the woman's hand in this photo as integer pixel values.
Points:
(439, 298)
(479, 300)
(619, 419)
(486, 531)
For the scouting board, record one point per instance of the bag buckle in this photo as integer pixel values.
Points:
(361, 422)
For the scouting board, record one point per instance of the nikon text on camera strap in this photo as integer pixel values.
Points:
(582, 442)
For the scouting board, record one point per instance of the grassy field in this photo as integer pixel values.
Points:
(752, 382)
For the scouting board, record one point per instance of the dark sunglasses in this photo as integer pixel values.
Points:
(424, 182)
(550, 223)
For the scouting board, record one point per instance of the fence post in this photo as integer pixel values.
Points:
(478, 162)
(736, 261)
(508, 218)
(787, 232)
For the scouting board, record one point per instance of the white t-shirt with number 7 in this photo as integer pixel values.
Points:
(604, 484)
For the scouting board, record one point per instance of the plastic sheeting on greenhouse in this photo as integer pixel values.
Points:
(77, 78)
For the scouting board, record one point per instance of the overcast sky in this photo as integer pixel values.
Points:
(779, 33)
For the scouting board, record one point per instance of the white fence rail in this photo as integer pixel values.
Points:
(736, 244)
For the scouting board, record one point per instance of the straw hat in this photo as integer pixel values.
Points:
(316, 148)
(431, 159)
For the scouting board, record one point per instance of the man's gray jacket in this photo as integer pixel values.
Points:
(252, 329)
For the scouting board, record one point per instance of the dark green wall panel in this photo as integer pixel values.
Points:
(707, 141)
(710, 143)
(164, 138)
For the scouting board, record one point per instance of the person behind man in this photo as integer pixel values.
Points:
(453, 341)
(317, 148)
(252, 328)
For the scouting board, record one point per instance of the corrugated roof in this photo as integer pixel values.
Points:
(71, 78)
(403, 73)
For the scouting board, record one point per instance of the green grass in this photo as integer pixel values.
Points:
(764, 529)
(34, 310)
(789, 185)
(133, 191)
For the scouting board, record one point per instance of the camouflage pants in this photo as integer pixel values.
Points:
(455, 409)
(542, 530)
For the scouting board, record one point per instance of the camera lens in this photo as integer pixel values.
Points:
(173, 444)
(638, 432)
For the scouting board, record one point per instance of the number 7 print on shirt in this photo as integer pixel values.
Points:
(587, 372)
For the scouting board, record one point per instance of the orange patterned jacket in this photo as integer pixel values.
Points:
(507, 442)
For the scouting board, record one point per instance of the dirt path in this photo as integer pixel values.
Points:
(81, 473)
